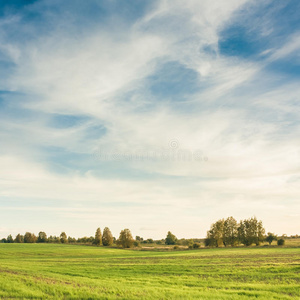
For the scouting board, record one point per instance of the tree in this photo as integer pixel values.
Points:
(218, 230)
(251, 231)
(71, 239)
(53, 239)
(98, 237)
(209, 242)
(170, 239)
(42, 237)
(19, 238)
(215, 234)
(125, 239)
(259, 231)
(107, 238)
(280, 242)
(29, 238)
(271, 237)
(242, 234)
(230, 232)
(63, 238)
(9, 239)
(91, 240)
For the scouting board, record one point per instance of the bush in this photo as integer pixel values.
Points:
(136, 244)
(196, 245)
(280, 242)
(175, 247)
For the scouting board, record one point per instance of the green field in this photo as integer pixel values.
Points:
(41, 271)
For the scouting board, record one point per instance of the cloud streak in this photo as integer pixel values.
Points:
(133, 82)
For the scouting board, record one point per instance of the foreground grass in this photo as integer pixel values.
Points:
(41, 271)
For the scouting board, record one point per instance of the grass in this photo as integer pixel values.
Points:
(48, 271)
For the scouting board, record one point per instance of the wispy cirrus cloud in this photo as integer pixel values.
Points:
(134, 79)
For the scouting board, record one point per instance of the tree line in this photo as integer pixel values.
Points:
(107, 238)
(224, 232)
(228, 231)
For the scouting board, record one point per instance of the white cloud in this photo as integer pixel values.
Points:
(290, 47)
(105, 76)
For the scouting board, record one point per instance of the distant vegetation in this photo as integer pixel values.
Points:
(222, 233)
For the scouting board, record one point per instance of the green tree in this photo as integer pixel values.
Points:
(63, 238)
(245, 233)
(125, 239)
(107, 238)
(170, 239)
(280, 242)
(91, 240)
(215, 235)
(9, 239)
(259, 231)
(29, 238)
(230, 232)
(251, 231)
(98, 237)
(71, 240)
(208, 241)
(271, 237)
(42, 237)
(53, 239)
(19, 238)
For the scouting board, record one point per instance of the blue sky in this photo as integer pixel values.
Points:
(148, 115)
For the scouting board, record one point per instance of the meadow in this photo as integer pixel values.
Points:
(56, 271)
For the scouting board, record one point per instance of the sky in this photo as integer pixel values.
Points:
(148, 115)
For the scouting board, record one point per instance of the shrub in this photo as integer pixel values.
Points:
(136, 244)
(280, 242)
(196, 245)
